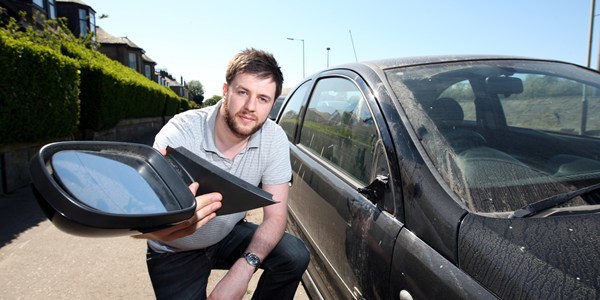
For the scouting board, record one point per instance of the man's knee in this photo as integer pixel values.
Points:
(298, 254)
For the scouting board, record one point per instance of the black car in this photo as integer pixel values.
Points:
(447, 178)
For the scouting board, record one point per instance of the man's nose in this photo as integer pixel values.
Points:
(251, 103)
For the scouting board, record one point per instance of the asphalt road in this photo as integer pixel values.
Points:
(38, 261)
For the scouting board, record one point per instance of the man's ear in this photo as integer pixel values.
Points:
(225, 89)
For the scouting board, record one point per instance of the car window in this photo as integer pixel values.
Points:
(291, 111)
(276, 107)
(546, 103)
(536, 132)
(339, 127)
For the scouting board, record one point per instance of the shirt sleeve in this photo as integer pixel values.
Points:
(173, 134)
(279, 168)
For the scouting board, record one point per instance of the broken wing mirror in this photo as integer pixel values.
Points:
(113, 188)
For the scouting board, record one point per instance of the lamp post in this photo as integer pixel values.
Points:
(591, 36)
(328, 56)
(303, 63)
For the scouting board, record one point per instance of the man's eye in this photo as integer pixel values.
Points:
(263, 100)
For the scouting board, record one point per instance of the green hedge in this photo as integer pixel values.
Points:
(53, 85)
(38, 93)
(111, 91)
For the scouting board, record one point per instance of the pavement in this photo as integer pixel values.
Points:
(38, 261)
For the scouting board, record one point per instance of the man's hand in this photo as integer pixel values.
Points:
(206, 205)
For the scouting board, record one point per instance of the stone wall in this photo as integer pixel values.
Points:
(15, 158)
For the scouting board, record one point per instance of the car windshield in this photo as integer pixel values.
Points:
(506, 133)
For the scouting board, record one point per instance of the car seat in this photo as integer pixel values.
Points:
(448, 115)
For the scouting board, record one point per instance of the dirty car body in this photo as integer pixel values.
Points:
(447, 177)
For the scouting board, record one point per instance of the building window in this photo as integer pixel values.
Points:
(51, 9)
(133, 60)
(148, 71)
(93, 25)
(39, 3)
(83, 22)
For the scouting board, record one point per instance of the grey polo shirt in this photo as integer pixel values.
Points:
(266, 159)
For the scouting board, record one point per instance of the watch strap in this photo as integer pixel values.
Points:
(252, 259)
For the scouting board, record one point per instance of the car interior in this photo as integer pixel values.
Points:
(501, 166)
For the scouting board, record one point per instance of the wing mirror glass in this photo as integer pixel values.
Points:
(113, 188)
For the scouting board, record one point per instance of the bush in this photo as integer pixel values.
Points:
(39, 96)
(39, 92)
(111, 91)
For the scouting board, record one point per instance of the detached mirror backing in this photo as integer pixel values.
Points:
(112, 188)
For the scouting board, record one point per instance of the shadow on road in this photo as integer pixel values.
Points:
(19, 211)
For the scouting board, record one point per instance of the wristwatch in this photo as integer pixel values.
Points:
(252, 259)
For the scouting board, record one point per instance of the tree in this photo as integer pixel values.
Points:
(196, 90)
(212, 100)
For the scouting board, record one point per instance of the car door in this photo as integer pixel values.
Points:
(342, 192)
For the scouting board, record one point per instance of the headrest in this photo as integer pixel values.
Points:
(446, 109)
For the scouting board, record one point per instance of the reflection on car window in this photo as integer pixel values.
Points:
(291, 111)
(276, 107)
(504, 134)
(339, 127)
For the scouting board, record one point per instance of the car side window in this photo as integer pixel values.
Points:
(339, 127)
(291, 111)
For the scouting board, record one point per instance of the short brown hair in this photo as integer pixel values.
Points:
(257, 62)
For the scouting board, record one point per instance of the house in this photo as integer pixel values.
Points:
(81, 18)
(81, 21)
(125, 51)
(37, 11)
(166, 79)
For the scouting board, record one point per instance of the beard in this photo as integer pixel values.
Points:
(235, 127)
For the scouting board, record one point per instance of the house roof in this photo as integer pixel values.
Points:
(74, 2)
(148, 59)
(104, 37)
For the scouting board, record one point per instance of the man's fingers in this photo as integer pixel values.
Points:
(210, 201)
(194, 187)
(206, 205)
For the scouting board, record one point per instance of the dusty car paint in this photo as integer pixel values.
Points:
(416, 237)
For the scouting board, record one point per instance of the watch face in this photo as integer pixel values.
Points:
(252, 259)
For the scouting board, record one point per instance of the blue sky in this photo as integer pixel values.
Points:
(196, 38)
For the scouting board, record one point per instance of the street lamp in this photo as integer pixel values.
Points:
(589, 56)
(303, 64)
(328, 56)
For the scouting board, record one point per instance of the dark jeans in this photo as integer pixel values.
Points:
(184, 275)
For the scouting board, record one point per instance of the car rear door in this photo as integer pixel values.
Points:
(338, 150)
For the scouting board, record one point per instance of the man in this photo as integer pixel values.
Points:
(235, 135)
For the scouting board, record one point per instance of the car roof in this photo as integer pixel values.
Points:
(418, 60)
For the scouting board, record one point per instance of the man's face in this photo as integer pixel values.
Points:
(247, 103)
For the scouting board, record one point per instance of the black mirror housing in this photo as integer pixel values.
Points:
(126, 215)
